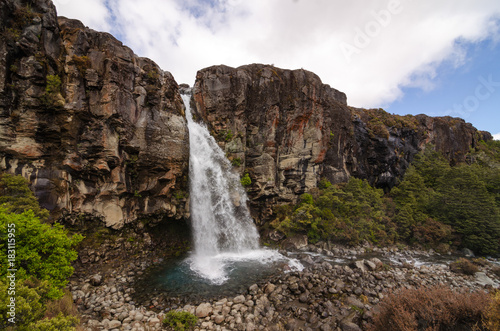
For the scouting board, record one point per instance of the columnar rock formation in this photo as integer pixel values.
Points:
(288, 130)
(97, 130)
(102, 132)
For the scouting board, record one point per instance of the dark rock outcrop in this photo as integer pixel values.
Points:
(98, 130)
(101, 132)
(288, 130)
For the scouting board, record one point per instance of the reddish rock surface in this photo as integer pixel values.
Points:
(288, 130)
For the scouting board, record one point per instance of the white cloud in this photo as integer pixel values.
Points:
(92, 13)
(404, 50)
(496, 136)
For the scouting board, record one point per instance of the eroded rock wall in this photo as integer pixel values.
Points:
(98, 130)
(288, 130)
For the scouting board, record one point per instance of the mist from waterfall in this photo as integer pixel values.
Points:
(223, 231)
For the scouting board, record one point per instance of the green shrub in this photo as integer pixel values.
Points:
(59, 323)
(180, 320)
(16, 196)
(228, 136)
(324, 184)
(52, 96)
(236, 162)
(43, 251)
(246, 180)
(29, 303)
(307, 198)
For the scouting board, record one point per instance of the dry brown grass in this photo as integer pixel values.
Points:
(492, 314)
(63, 305)
(464, 266)
(431, 309)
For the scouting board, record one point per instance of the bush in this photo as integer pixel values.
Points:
(82, 63)
(16, 196)
(59, 323)
(464, 266)
(491, 316)
(43, 252)
(434, 308)
(236, 162)
(180, 320)
(246, 180)
(52, 97)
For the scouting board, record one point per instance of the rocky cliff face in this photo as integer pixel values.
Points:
(97, 130)
(288, 130)
(101, 132)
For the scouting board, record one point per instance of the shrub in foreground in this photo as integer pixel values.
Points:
(492, 314)
(464, 266)
(180, 320)
(431, 308)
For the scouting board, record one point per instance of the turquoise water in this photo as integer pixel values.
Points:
(175, 278)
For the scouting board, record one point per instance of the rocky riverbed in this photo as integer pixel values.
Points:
(338, 289)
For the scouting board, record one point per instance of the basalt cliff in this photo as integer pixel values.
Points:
(101, 132)
(97, 130)
(287, 130)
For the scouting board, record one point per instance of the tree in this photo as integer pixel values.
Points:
(465, 203)
(431, 165)
(16, 196)
(411, 198)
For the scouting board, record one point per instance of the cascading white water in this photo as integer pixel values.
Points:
(223, 231)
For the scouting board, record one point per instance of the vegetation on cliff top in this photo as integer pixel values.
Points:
(434, 205)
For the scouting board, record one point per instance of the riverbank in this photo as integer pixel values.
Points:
(338, 289)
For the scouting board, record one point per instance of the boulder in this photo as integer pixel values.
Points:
(295, 243)
(96, 279)
(203, 310)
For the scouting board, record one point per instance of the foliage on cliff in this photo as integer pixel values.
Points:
(36, 260)
(434, 205)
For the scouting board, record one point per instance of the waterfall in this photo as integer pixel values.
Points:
(223, 230)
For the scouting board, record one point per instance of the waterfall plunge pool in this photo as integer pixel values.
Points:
(193, 278)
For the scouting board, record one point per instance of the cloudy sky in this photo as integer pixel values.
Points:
(406, 56)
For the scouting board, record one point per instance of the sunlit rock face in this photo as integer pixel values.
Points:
(288, 130)
(102, 132)
(110, 140)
